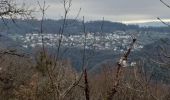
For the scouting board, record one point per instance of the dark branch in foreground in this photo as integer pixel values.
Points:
(11, 52)
(120, 65)
(165, 3)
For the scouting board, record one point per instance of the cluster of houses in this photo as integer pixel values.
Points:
(117, 41)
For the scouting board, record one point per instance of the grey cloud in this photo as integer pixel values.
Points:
(115, 10)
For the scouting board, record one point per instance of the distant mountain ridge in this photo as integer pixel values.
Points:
(72, 26)
(152, 24)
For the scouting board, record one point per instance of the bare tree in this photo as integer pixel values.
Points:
(84, 68)
(67, 5)
(120, 64)
(163, 48)
(10, 9)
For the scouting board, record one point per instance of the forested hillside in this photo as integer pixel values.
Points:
(76, 59)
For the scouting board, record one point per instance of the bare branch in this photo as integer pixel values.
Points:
(163, 22)
(120, 65)
(11, 52)
(165, 3)
(9, 9)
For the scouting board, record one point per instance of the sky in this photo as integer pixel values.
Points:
(126, 11)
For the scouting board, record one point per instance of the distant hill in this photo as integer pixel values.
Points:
(72, 26)
(152, 24)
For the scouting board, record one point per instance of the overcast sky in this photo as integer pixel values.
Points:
(113, 10)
